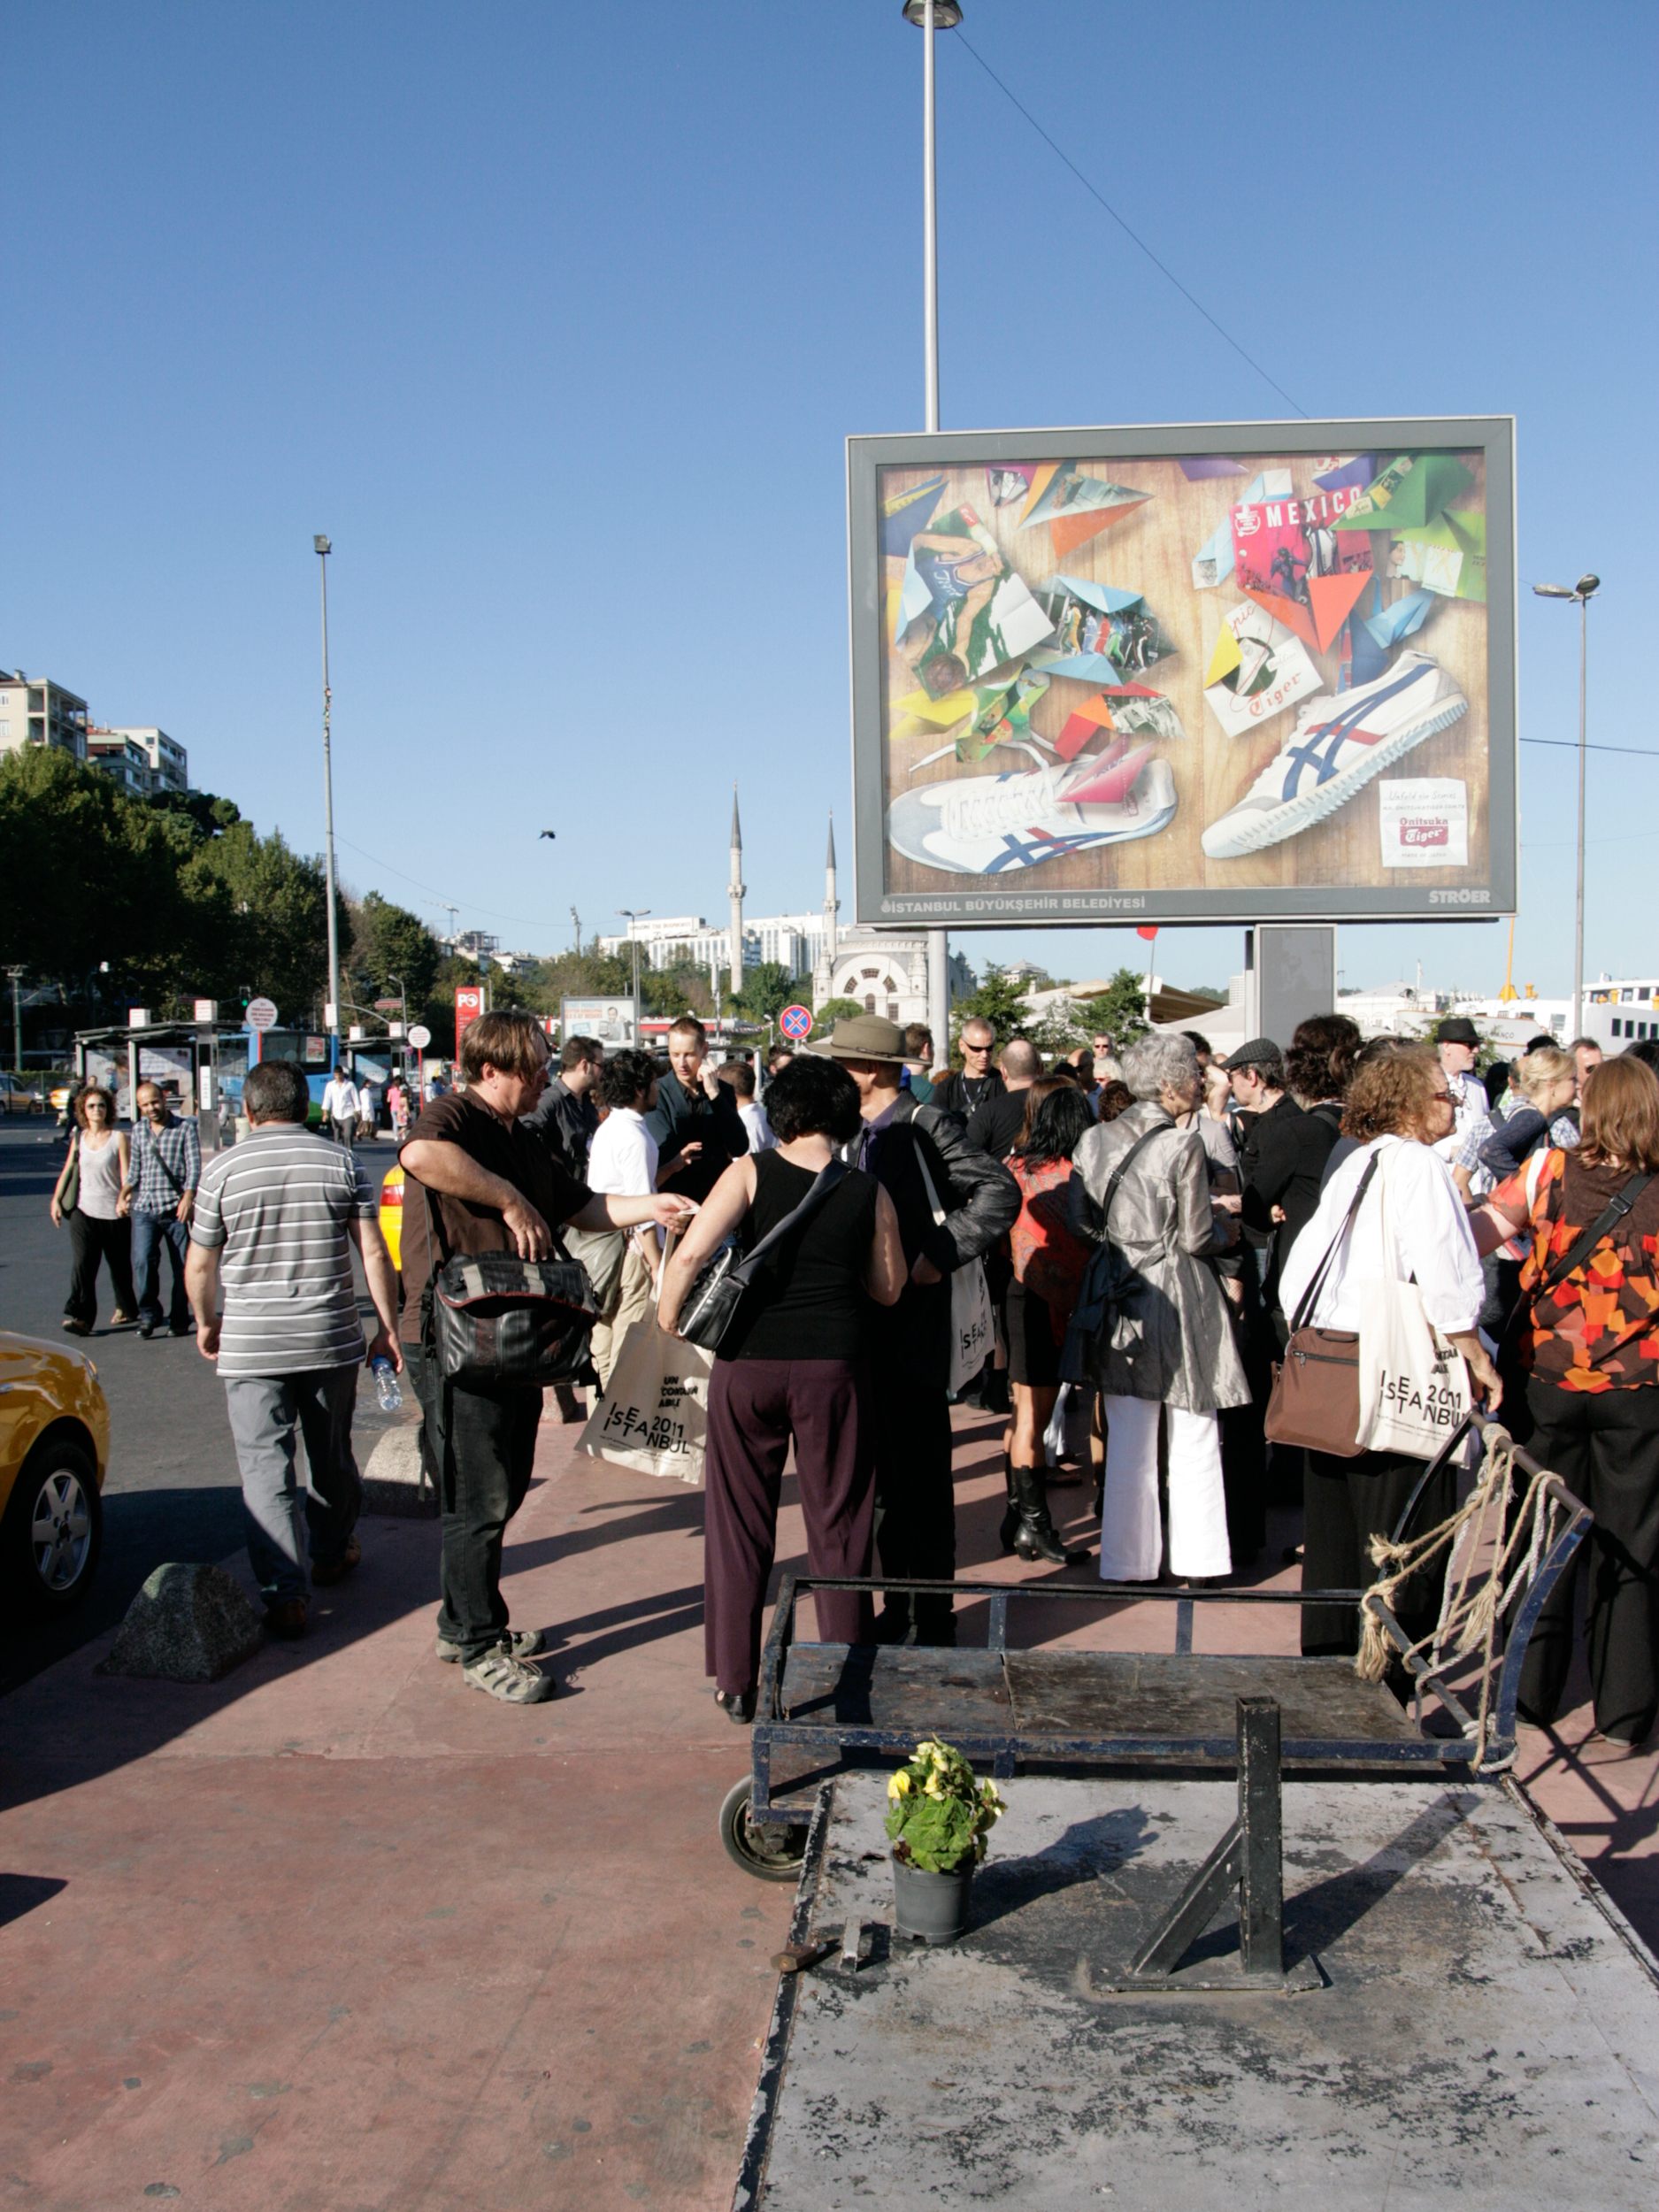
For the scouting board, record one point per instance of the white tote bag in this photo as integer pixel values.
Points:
(973, 1326)
(653, 1414)
(1414, 1386)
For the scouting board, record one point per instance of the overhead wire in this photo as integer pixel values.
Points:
(960, 37)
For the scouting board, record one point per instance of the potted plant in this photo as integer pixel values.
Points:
(939, 1817)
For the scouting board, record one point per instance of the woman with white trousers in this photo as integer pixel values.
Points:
(1166, 1341)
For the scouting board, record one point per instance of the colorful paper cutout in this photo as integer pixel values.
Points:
(1109, 782)
(1404, 620)
(1226, 658)
(1272, 671)
(1129, 708)
(1009, 482)
(1340, 475)
(1411, 492)
(906, 513)
(1449, 556)
(1077, 507)
(1212, 563)
(1101, 633)
(963, 610)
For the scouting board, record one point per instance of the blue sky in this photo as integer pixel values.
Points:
(555, 319)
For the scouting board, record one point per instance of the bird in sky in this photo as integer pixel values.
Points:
(549, 834)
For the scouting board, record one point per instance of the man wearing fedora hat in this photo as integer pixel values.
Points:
(906, 1146)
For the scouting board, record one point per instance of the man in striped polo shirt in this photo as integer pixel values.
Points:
(273, 1215)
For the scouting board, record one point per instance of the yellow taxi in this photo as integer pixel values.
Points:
(392, 1214)
(54, 1452)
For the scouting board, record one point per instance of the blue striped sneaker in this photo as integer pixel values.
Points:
(1336, 749)
(987, 826)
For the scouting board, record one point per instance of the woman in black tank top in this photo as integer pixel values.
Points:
(792, 1369)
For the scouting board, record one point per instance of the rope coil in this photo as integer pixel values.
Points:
(1470, 1613)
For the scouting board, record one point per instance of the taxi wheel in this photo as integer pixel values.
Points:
(54, 1525)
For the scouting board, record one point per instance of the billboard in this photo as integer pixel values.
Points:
(1199, 673)
(615, 1022)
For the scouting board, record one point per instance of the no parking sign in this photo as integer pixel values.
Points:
(796, 1023)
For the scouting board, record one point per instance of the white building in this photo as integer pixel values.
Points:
(169, 763)
(122, 760)
(795, 942)
(39, 713)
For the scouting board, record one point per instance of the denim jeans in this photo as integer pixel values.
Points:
(483, 1445)
(265, 1410)
(151, 1232)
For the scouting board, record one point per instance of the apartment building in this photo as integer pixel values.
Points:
(36, 711)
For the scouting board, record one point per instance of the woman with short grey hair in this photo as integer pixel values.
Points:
(1157, 1061)
(1141, 1186)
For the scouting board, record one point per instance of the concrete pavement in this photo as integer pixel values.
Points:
(339, 1932)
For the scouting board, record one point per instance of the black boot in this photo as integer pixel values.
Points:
(1010, 1519)
(1035, 1538)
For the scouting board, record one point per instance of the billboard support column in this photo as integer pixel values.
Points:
(1295, 978)
(938, 993)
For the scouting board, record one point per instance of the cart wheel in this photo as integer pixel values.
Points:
(769, 1850)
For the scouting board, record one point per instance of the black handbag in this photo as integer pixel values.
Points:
(1106, 1281)
(496, 1322)
(712, 1302)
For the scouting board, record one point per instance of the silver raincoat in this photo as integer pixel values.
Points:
(1168, 1335)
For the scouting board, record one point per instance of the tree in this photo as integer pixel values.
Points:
(999, 1001)
(1120, 1010)
(833, 1011)
(389, 941)
(767, 989)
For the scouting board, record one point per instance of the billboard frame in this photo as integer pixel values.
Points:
(1009, 907)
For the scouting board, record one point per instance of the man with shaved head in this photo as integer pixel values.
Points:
(965, 1089)
(995, 1122)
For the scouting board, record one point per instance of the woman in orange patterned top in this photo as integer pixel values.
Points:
(1591, 1343)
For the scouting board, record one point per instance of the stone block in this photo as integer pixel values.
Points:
(396, 1478)
(188, 1624)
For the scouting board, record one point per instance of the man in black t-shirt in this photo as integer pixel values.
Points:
(494, 1188)
(968, 1086)
(996, 1120)
(695, 1125)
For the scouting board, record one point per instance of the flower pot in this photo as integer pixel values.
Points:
(931, 1908)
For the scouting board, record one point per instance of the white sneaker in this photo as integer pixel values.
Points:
(1336, 749)
(984, 825)
(500, 1675)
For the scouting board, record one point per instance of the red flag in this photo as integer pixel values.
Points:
(1147, 929)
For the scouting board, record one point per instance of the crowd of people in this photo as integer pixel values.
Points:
(1151, 1225)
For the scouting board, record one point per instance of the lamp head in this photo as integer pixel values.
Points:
(322, 545)
(1587, 587)
(947, 14)
(1553, 591)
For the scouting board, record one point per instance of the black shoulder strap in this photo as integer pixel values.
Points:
(827, 1180)
(1310, 1297)
(1121, 1169)
(1605, 1222)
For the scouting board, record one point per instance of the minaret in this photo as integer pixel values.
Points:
(735, 891)
(832, 906)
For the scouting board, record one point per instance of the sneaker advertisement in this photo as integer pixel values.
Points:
(1251, 672)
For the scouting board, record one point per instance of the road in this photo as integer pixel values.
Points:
(172, 1491)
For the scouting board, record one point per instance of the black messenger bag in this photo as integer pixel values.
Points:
(495, 1322)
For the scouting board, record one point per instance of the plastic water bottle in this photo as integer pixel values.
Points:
(386, 1388)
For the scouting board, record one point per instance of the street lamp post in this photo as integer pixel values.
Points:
(1584, 591)
(323, 550)
(634, 914)
(930, 16)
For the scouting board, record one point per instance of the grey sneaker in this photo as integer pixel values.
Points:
(523, 1643)
(508, 1679)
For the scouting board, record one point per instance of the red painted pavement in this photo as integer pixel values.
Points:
(340, 1933)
